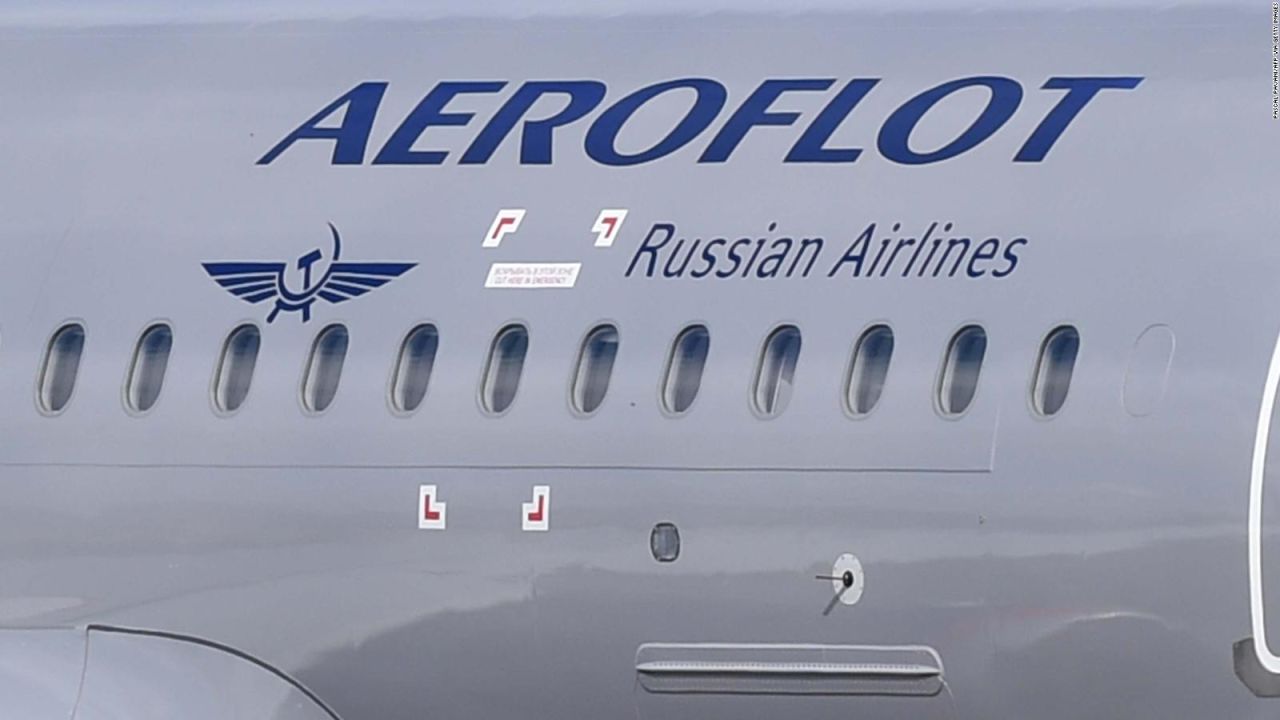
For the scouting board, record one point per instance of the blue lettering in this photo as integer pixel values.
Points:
(351, 137)
(755, 111)
(1080, 90)
(603, 134)
(535, 137)
(1006, 94)
(810, 147)
(398, 149)
(348, 121)
(988, 250)
(652, 250)
(1010, 257)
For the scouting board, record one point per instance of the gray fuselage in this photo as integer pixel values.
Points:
(1095, 562)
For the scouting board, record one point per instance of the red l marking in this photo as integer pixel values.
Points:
(536, 515)
(431, 512)
(497, 230)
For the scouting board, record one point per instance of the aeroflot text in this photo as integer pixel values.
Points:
(347, 122)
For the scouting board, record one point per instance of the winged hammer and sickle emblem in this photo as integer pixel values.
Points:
(255, 282)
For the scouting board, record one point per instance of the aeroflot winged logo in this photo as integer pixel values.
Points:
(255, 282)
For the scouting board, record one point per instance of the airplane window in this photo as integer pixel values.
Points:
(1053, 370)
(963, 365)
(324, 368)
(61, 364)
(684, 369)
(146, 373)
(869, 369)
(413, 368)
(235, 368)
(776, 373)
(595, 367)
(502, 374)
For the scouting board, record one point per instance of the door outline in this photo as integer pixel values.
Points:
(1257, 610)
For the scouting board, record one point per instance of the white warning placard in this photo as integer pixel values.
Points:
(530, 276)
(536, 516)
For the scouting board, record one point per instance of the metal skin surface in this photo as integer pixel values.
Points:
(108, 673)
(1094, 564)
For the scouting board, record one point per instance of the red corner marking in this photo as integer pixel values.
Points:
(507, 221)
(536, 515)
(427, 512)
(608, 222)
(497, 229)
(432, 513)
(612, 222)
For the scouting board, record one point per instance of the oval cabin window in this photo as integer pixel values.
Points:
(60, 368)
(146, 372)
(869, 369)
(413, 368)
(503, 370)
(595, 368)
(684, 369)
(234, 375)
(961, 370)
(1053, 370)
(775, 374)
(324, 368)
